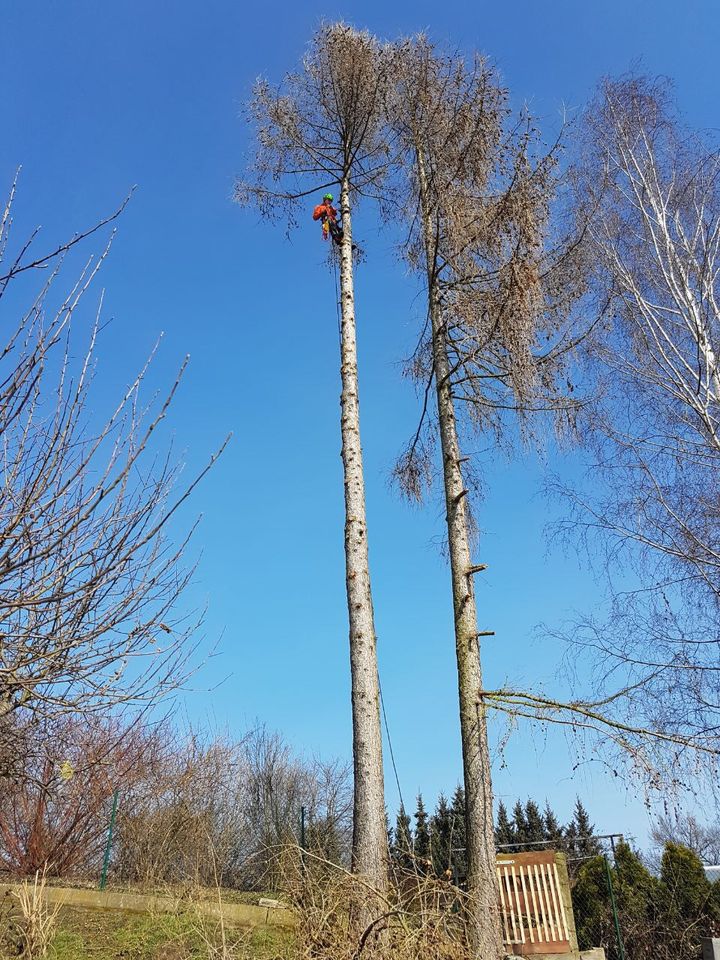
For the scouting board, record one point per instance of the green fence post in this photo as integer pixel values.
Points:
(616, 921)
(108, 845)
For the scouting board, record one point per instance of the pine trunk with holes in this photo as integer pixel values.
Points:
(369, 849)
(484, 918)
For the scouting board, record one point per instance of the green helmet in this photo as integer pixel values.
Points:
(328, 196)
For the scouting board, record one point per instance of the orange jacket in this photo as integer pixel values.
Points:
(323, 210)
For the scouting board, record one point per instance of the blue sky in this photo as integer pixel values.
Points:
(101, 96)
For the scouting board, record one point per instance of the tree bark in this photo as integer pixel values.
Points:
(484, 919)
(369, 850)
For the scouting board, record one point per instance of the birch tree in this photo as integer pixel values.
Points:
(476, 205)
(89, 582)
(652, 186)
(645, 678)
(321, 128)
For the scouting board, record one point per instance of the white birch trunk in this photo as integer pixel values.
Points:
(369, 851)
(485, 930)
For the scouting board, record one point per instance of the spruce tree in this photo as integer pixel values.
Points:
(582, 832)
(553, 830)
(422, 834)
(324, 127)
(459, 834)
(534, 822)
(402, 840)
(520, 823)
(441, 837)
(504, 831)
(571, 845)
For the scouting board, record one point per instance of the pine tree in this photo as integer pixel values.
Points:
(441, 837)
(422, 834)
(504, 831)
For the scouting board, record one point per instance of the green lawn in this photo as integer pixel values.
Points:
(98, 935)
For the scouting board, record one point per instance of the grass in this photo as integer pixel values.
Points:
(99, 935)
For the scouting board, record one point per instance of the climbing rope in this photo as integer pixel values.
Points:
(337, 298)
(390, 746)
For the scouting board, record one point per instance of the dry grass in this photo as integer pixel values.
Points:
(341, 917)
(338, 916)
(33, 923)
(218, 939)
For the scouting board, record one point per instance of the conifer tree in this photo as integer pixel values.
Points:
(441, 837)
(321, 128)
(504, 832)
(582, 833)
(459, 833)
(402, 846)
(422, 833)
(535, 823)
(660, 917)
(636, 890)
(553, 830)
(520, 826)
(686, 898)
(476, 209)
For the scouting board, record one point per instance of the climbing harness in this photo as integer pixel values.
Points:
(327, 214)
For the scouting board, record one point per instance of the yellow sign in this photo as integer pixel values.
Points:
(66, 770)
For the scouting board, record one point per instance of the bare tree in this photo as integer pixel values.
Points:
(687, 831)
(279, 785)
(656, 234)
(185, 819)
(656, 429)
(210, 808)
(324, 127)
(647, 189)
(89, 583)
(495, 343)
(55, 804)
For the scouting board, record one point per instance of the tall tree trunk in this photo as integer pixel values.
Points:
(369, 852)
(485, 930)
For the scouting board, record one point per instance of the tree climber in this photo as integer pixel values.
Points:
(327, 213)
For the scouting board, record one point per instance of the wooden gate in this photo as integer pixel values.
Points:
(532, 904)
